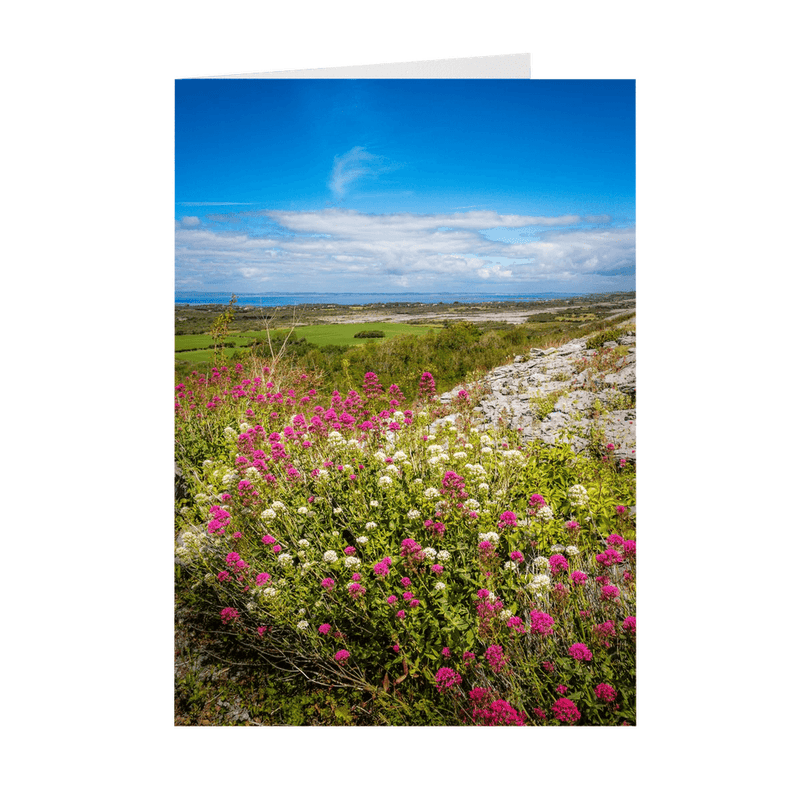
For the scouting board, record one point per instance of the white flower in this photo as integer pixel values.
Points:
(230, 434)
(302, 511)
(489, 536)
(511, 565)
(541, 562)
(400, 455)
(468, 446)
(556, 548)
(269, 591)
(322, 474)
(417, 480)
(544, 513)
(284, 558)
(351, 561)
(578, 495)
(301, 612)
(303, 543)
(335, 436)
(228, 478)
(251, 606)
(384, 480)
(182, 552)
(374, 503)
(278, 506)
(513, 455)
(330, 556)
(268, 513)
(572, 550)
(505, 614)
(443, 555)
(459, 455)
(475, 469)
(486, 439)
(243, 426)
(431, 493)
(337, 510)
(362, 539)
(472, 504)
(302, 625)
(307, 566)
(413, 514)
(200, 498)
(484, 487)
(486, 450)
(522, 523)
(252, 473)
(301, 554)
(430, 553)
(370, 526)
(435, 449)
(395, 470)
(439, 586)
(539, 582)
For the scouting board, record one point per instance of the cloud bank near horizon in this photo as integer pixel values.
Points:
(339, 249)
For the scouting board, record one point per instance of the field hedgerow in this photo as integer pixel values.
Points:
(360, 543)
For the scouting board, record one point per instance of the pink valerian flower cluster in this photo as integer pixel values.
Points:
(609, 593)
(605, 631)
(356, 589)
(223, 576)
(558, 563)
(427, 386)
(486, 550)
(219, 519)
(541, 623)
(508, 519)
(629, 548)
(609, 557)
(486, 711)
(565, 710)
(453, 486)
(411, 552)
(516, 624)
(262, 578)
(561, 689)
(342, 655)
(614, 540)
(536, 502)
(447, 678)
(516, 556)
(580, 652)
(381, 569)
(605, 692)
(437, 569)
(371, 385)
(436, 528)
(327, 584)
(560, 591)
(487, 610)
(629, 624)
(468, 657)
(579, 578)
(496, 657)
(446, 652)
(324, 629)
(228, 615)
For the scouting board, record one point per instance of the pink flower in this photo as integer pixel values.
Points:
(565, 710)
(572, 526)
(324, 629)
(558, 563)
(413, 603)
(536, 502)
(609, 593)
(541, 623)
(629, 548)
(620, 510)
(342, 655)
(580, 652)
(391, 599)
(223, 576)
(446, 652)
(606, 692)
(262, 578)
(356, 589)
(549, 666)
(437, 568)
(496, 657)
(507, 519)
(579, 578)
(615, 540)
(515, 555)
(228, 615)
(350, 551)
(629, 624)
(405, 582)
(561, 689)
(468, 656)
(401, 614)
(327, 583)
(446, 678)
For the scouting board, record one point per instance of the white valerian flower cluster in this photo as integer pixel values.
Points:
(252, 474)
(572, 551)
(544, 513)
(460, 455)
(435, 449)
(540, 562)
(374, 503)
(307, 566)
(511, 565)
(431, 492)
(515, 456)
(303, 543)
(483, 487)
(351, 561)
(472, 504)
(430, 553)
(475, 469)
(370, 526)
(201, 498)
(578, 495)
(489, 536)
(505, 614)
(230, 434)
(400, 456)
(322, 474)
(302, 511)
(229, 478)
(284, 559)
(413, 514)
(399, 415)
(443, 555)
(486, 440)
(362, 539)
(393, 469)
(556, 548)
(278, 506)
(439, 586)
(330, 557)
(384, 480)
(302, 625)
(539, 583)
(268, 514)
(334, 437)
(486, 450)
(269, 591)
(337, 510)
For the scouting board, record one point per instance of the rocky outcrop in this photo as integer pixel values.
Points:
(587, 396)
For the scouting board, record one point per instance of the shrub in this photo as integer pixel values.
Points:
(369, 335)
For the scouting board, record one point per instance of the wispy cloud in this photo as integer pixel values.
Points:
(354, 164)
(210, 203)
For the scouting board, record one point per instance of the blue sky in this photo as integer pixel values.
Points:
(496, 186)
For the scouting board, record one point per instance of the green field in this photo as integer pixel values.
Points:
(196, 347)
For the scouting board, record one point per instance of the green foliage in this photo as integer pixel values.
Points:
(369, 335)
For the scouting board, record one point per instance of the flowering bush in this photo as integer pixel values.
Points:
(352, 521)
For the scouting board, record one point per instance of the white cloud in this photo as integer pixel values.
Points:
(338, 248)
(190, 222)
(354, 164)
